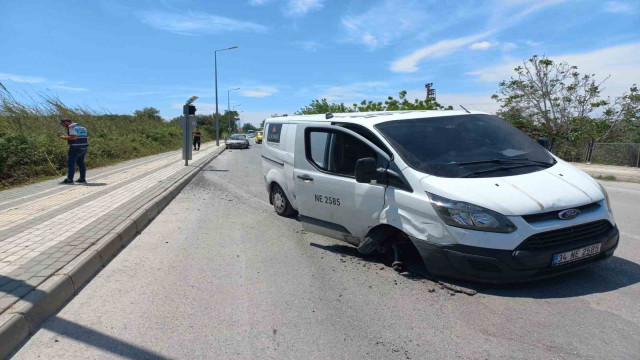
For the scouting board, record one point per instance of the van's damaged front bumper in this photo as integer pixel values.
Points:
(508, 266)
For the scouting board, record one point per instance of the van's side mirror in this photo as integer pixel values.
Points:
(544, 142)
(366, 170)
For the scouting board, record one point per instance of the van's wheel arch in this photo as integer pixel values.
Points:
(280, 202)
(375, 239)
(393, 244)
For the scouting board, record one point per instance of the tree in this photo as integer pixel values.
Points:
(555, 96)
(402, 103)
(322, 107)
(248, 126)
(232, 116)
(148, 113)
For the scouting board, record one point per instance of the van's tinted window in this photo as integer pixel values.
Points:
(336, 152)
(273, 133)
(465, 146)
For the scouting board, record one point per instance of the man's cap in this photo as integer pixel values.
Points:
(65, 119)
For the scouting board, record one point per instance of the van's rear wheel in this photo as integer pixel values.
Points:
(280, 202)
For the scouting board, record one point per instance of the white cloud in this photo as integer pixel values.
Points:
(259, 91)
(384, 23)
(409, 63)
(369, 90)
(508, 46)
(301, 7)
(258, 2)
(479, 102)
(192, 23)
(504, 16)
(621, 62)
(471, 101)
(483, 45)
(618, 7)
(70, 88)
(21, 79)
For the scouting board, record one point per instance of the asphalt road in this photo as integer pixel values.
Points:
(219, 275)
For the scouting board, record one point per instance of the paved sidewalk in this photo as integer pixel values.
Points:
(45, 226)
(621, 173)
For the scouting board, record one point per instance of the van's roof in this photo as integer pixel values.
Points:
(372, 117)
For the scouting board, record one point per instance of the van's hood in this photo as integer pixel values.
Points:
(558, 187)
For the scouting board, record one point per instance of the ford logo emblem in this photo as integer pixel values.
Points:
(568, 214)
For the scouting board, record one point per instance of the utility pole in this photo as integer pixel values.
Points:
(431, 93)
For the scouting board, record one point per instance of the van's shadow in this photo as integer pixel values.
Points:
(610, 275)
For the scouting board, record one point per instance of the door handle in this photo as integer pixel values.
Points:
(305, 177)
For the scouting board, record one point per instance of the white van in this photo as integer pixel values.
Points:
(477, 198)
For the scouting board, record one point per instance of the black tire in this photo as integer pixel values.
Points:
(373, 240)
(281, 204)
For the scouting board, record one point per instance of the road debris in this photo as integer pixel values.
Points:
(456, 289)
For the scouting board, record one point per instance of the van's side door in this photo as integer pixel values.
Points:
(330, 201)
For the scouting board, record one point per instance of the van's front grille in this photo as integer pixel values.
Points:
(553, 215)
(578, 233)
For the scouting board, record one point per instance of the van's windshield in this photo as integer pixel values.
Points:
(472, 145)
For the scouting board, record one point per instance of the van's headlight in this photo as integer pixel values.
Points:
(606, 197)
(464, 215)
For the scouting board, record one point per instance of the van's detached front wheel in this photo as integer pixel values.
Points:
(280, 202)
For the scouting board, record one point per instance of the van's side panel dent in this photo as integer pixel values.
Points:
(406, 211)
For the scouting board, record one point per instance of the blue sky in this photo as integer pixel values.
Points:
(120, 55)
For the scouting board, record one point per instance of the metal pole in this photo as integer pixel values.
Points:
(186, 133)
(228, 110)
(591, 149)
(215, 56)
(638, 161)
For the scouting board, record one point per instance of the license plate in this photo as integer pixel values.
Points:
(575, 255)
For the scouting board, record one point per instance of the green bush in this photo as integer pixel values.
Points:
(30, 148)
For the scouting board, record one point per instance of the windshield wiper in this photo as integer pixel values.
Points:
(474, 173)
(505, 161)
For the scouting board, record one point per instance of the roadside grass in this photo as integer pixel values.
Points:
(605, 177)
(31, 151)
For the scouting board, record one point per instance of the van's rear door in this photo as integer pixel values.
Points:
(330, 201)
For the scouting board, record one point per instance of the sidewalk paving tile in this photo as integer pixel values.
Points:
(44, 227)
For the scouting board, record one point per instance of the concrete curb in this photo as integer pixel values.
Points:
(24, 318)
(620, 173)
(598, 174)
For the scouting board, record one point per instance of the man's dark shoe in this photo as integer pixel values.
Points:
(81, 181)
(67, 181)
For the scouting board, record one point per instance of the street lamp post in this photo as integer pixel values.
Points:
(215, 55)
(229, 107)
